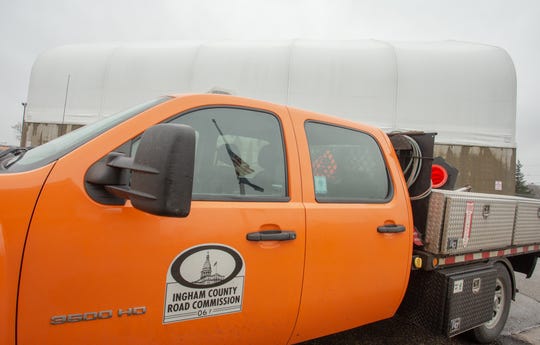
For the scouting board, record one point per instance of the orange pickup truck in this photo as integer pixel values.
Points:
(205, 219)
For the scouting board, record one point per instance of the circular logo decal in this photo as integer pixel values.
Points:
(206, 266)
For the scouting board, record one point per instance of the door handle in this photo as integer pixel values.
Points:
(390, 228)
(271, 235)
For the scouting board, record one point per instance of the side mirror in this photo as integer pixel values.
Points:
(161, 172)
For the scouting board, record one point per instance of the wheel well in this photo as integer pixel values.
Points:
(508, 265)
(525, 263)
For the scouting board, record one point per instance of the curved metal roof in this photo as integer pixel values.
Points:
(464, 91)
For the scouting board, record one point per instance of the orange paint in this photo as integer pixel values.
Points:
(18, 195)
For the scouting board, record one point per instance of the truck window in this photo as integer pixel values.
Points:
(347, 165)
(62, 145)
(239, 154)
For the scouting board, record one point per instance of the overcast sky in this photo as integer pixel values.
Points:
(28, 27)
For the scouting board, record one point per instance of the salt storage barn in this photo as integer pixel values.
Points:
(465, 92)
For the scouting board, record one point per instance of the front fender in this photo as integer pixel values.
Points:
(19, 193)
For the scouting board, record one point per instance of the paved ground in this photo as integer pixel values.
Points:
(522, 327)
(524, 320)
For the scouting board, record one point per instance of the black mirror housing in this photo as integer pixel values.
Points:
(161, 171)
(170, 150)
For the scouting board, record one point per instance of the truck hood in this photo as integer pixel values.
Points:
(19, 193)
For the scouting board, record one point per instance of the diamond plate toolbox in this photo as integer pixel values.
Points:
(450, 301)
(462, 222)
(527, 228)
(469, 300)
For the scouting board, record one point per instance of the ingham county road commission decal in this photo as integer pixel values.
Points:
(204, 281)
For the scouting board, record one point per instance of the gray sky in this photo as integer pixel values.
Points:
(28, 27)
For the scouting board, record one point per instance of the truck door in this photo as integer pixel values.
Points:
(229, 273)
(358, 228)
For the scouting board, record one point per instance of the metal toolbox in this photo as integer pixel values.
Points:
(462, 222)
(527, 228)
(450, 301)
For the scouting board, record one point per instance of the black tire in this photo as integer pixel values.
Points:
(490, 330)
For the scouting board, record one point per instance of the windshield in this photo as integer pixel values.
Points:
(60, 146)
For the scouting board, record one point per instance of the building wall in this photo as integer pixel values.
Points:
(34, 134)
(481, 167)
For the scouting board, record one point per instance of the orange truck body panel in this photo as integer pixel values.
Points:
(19, 193)
(83, 258)
(353, 274)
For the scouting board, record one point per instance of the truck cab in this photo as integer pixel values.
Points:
(285, 225)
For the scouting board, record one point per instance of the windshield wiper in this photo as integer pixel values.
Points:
(241, 168)
(15, 153)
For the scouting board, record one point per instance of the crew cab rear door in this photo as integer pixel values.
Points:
(359, 232)
(228, 273)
